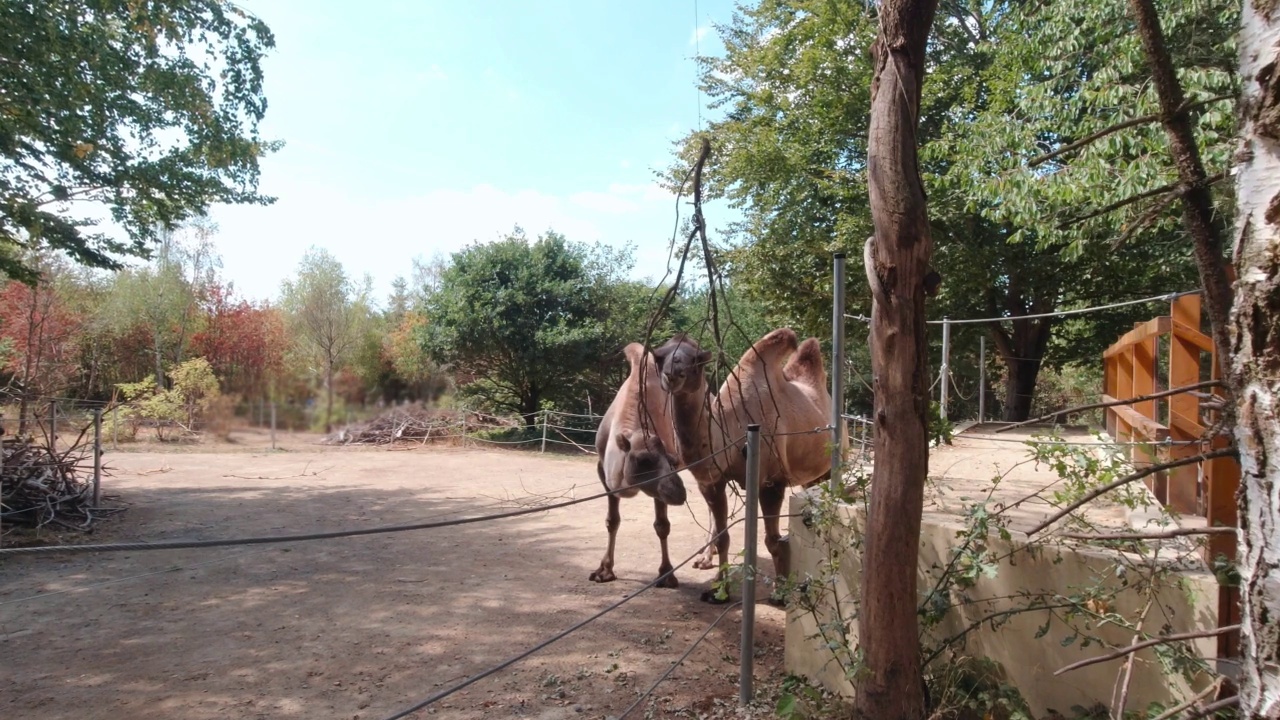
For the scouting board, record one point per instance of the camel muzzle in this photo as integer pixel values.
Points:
(671, 491)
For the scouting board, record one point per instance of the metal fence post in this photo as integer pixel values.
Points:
(747, 656)
(97, 458)
(945, 376)
(837, 374)
(544, 430)
(982, 378)
(273, 424)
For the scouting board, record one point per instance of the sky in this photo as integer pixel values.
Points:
(415, 127)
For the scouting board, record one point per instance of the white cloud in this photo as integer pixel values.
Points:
(698, 34)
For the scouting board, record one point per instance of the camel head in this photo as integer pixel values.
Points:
(681, 364)
(646, 459)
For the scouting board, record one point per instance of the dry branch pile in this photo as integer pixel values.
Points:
(40, 486)
(417, 424)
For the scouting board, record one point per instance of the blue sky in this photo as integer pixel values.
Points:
(416, 127)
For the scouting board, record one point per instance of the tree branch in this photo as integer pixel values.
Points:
(1146, 644)
(1213, 688)
(1089, 139)
(1165, 535)
(1213, 707)
(1113, 403)
(1098, 492)
(1179, 187)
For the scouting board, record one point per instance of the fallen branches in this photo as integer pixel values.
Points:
(1113, 403)
(1178, 637)
(417, 424)
(39, 486)
(1098, 492)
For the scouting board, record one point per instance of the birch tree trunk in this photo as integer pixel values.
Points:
(897, 262)
(1255, 359)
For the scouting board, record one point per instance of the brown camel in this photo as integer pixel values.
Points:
(635, 444)
(779, 384)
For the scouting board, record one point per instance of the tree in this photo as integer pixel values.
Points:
(243, 342)
(41, 334)
(327, 312)
(521, 322)
(791, 152)
(897, 260)
(148, 108)
(1255, 365)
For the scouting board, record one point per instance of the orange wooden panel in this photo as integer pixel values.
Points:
(1184, 409)
(1222, 480)
(1142, 331)
(1148, 430)
(1144, 376)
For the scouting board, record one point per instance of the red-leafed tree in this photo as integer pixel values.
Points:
(42, 335)
(243, 342)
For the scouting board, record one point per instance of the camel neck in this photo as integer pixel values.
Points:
(692, 409)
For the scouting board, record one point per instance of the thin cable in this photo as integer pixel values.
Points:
(697, 64)
(383, 529)
(1168, 297)
(557, 637)
(677, 663)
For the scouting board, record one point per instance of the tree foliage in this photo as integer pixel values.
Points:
(1010, 81)
(148, 108)
(524, 322)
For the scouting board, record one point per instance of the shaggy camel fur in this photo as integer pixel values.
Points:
(778, 383)
(635, 443)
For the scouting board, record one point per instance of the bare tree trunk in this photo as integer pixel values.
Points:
(1197, 203)
(1255, 365)
(328, 384)
(897, 258)
(24, 401)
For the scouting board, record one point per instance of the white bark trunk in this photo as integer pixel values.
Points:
(1255, 361)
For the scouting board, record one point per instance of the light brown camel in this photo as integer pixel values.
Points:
(635, 444)
(779, 384)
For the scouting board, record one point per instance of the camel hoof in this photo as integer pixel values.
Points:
(714, 597)
(704, 564)
(669, 581)
(603, 575)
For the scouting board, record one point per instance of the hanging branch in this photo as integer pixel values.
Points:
(1213, 688)
(1098, 492)
(1178, 637)
(1165, 535)
(1179, 188)
(1089, 139)
(1113, 403)
(1214, 707)
(1150, 216)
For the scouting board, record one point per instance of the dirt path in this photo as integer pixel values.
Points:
(363, 627)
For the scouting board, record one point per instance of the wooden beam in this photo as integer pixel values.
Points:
(1149, 429)
(1150, 328)
(1182, 427)
(1199, 339)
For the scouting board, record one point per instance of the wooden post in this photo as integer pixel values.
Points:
(273, 424)
(982, 378)
(97, 458)
(1184, 492)
(1144, 383)
(115, 427)
(53, 425)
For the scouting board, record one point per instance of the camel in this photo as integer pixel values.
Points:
(779, 384)
(635, 444)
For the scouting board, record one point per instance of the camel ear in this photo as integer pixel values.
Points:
(660, 356)
(623, 443)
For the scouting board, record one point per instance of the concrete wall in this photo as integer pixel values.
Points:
(1186, 603)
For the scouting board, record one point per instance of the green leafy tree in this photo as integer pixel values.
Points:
(328, 314)
(790, 151)
(148, 108)
(522, 323)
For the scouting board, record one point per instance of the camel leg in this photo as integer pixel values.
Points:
(662, 526)
(706, 561)
(718, 501)
(604, 573)
(771, 497)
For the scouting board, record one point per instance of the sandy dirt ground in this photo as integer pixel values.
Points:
(364, 627)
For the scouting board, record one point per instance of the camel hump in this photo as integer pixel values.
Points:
(772, 348)
(805, 366)
(634, 353)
